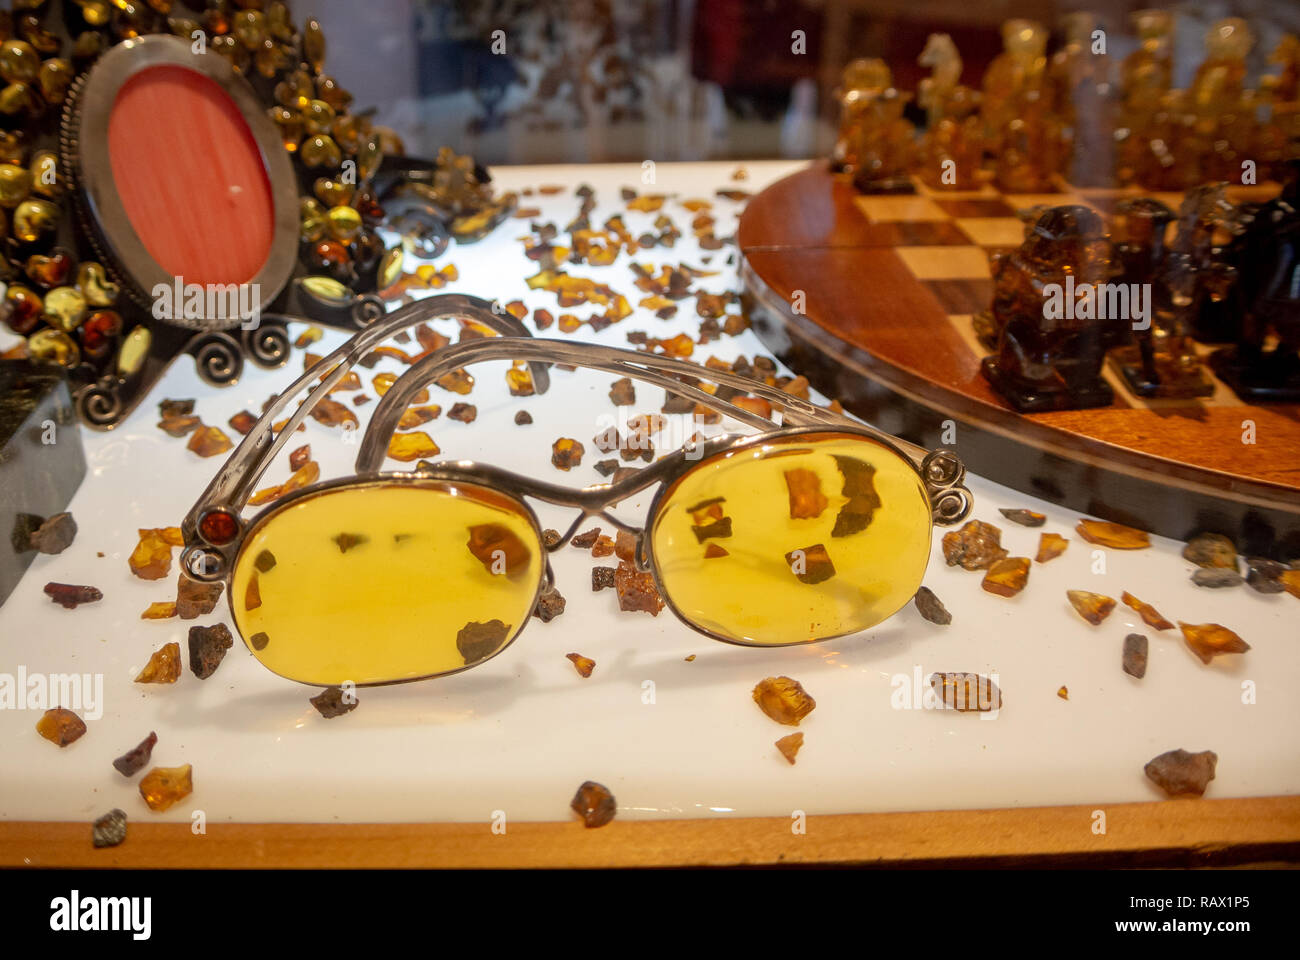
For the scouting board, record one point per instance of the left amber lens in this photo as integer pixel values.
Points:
(386, 581)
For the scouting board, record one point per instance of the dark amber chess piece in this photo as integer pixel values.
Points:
(1264, 364)
(1162, 361)
(1051, 344)
(1203, 263)
(1084, 96)
(861, 80)
(952, 149)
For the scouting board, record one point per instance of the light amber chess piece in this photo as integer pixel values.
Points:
(1145, 78)
(1226, 130)
(952, 149)
(883, 146)
(1021, 67)
(1279, 135)
(1084, 96)
(861, 80)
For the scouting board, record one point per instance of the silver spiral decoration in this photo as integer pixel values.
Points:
(366, 309)
(218, 358)
(268, 344)
(943, 473)
(99, 404)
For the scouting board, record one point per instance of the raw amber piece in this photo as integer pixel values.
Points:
(520, 381)
(636, 590)
(1093, 607)
(298, 458)
(549, 605)
(209, 442)
(594, 803)
(458, 381)
(1050, 546)
(931, 607)
(754, 405)
(309, 336)
(586, 540)
(1134, 656)
(809, 564)
(162, 610)
(1114, 535)
(976, 546)
(584, 665)
(332, 413)
(179, 426)
(164, 666)
(194, 597)
(412, 446)
(806, 498)
(1290, 580)
(1149, 614)
(70, 596)
(1063, 693)
(463, 412)
(208, 646)
(152, 557)
(414, 417)
(60, 726)
(333, 702)
(566, 453)
(133, 761)
(1211, 550)
(1180, 773)
(162, 787)
(783, 699)
(789, 745)
(1007, 577)
(967, 691)
(1208, 640)
(1027, 518)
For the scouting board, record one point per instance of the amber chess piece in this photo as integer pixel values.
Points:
(1021, 67)
(883, 145)
(1264, 364)
(1030, 152)
(1145, 78)
(952, 150)
(1162, 361)
(1279, 133)
(1225, 127)
(861, 80)
(1051, 344)
(1083, 95)
(1203, 263)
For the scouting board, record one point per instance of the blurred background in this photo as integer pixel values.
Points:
(559, 81)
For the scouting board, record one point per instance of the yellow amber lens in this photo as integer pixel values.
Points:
(386, 581)
(793, 541)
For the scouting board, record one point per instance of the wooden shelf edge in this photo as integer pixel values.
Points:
(1185, 832)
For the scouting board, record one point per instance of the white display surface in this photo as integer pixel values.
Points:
(521, 732)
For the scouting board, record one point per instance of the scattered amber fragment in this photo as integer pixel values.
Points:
(967, 691)
(413, 417)
(134, 760)
(309, 336)
(242, 422)
(1134, 657)
(1149, 614)
(1211, 550)
(520, 381)
(809, 564)
(71, 595)
(1027, 518)
(208, 646)
(594, 803)
(1180, 773)
(458, 381)
(463, 412)
(976, 546)
(161, 610)
(584, 665)
(209, 441)
(636, 590)
(712, 552)
(152, 557)
(1063, 693)
(179, 426)
(783, 699)
(1093, 607)
(164, 666)
(1290, 580)
(194, 597)
(790, 745)
(805, 490)
(601, 578)
(1208, 640)
(1050, 546)
(754, 405)
(625, 545)
(566, 453)
(931, 608)
(603, 547)
(1114, 535)
(622, 393)
(60, 726)
(332, 413)
(162, 787)
(549, 605)
(1007, 577)
(109, 830)
(412, 446)
(334, 702)
(299, 457)
(587, 539)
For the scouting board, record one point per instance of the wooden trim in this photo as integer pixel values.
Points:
(1186, 832)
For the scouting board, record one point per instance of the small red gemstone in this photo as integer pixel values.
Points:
(218, 527)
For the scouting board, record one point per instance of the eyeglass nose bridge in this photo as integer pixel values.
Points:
(638, 551)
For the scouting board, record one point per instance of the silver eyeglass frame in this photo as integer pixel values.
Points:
(941, 471)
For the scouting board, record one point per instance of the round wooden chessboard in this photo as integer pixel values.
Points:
(872, 297)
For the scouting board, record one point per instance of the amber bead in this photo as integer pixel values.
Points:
(19, 62)
(94, 284)
(33, 219)
(344, 223)
(44, 171)
(311, 219)
(327, 89)
(15, 185)
(329, 255)
(333, 193)
(23, 309)
(290, 124)
(318, 116)
(53, 345)
(65, 308)
(51, 271)
(98, 333)
(294, 91)
(218, 527)
(313, 44)
(321, 151)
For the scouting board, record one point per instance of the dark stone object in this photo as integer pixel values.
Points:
(110, 829)
(135, 759)
(208, 646)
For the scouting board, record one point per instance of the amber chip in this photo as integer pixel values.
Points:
(208, 646)
(1114, 535)
(636, 590)
(967, 692)
(594, 803)
(458, 381)
(1149, 614)
(930, 607)
(1026, 518)
(464, 412)
(242, 422)
(809, 565)
(625, 545)
(1093, 607)
(162, 787)
(584, 665)
(412, 446)
(71, 595)
(1134, 657)
(164, 666)
(134, 760)
(976, 546)
(331, 413)
(622, 393)
(549, 605)
(1208, 640)
(299, 457)
(60, 726)
(1180, 773)
(1050, 546)
(1007, 577)
(566, 453)
(783, 699)
(152, 557)
(1290, 580)
(332, 702)
(194, 597)
(209, 442)
(179, 426)
(603, 547)
(161, 610)
(805, 492)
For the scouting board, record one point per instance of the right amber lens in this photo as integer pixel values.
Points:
(386, 581)
(796, 540)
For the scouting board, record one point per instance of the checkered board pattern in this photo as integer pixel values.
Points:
(945, 238)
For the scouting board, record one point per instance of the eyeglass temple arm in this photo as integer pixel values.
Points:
(647, 367)
(234, 483)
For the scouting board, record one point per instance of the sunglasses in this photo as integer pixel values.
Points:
(807, 531)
